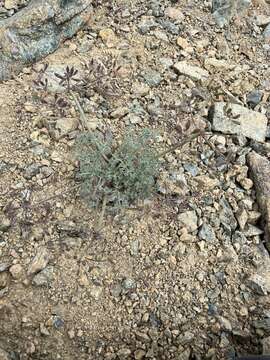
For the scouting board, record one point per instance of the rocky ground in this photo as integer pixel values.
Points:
(186, 274)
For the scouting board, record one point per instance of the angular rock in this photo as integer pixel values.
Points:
(207, 233)
(66, 125)
(224, 10)
(260, 172)
(5, 223)
(3, 281)
(37, 30)
(40, 261)
(16, 271)
(189, 219)
(260, 284)
(236, 119)
(206, 182)
(44, 277)
(266, 34)
(194, 72)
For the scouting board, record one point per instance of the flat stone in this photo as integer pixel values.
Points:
(206, 182)
(194, 72)
(66, 125)
(239, 120)
(218, 64)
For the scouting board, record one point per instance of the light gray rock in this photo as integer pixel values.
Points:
(224, 10)
(260, 284)
(44, 277)
(266, 34)
(236, 119)
(189, 219)
(66, 125)
(45, 24)
(194, 72)
(207, 233)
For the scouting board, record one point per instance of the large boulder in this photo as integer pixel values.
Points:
(37, 30)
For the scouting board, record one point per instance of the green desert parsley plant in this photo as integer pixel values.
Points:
(119, 175)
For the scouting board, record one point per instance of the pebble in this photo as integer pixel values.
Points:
(188, 219)
(44, 277)
(3, 280)
(147, 24)
(254, 98)
(139, 354)
(123, 353)
(109, 38)
(32, 170)
(225, 323)
(174, 14)
(5, 223)
(207, 233)
(152, 77)
(140, 89)
(242, 218)
(16, 271)
(206, 182)
(40, 261)
(66, 125)
(96, 292)
(129, 284)
(246, 183)
(191, 168)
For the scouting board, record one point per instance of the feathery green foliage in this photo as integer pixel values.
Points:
(122, 174)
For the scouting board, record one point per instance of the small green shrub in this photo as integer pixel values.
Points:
(119, 174)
